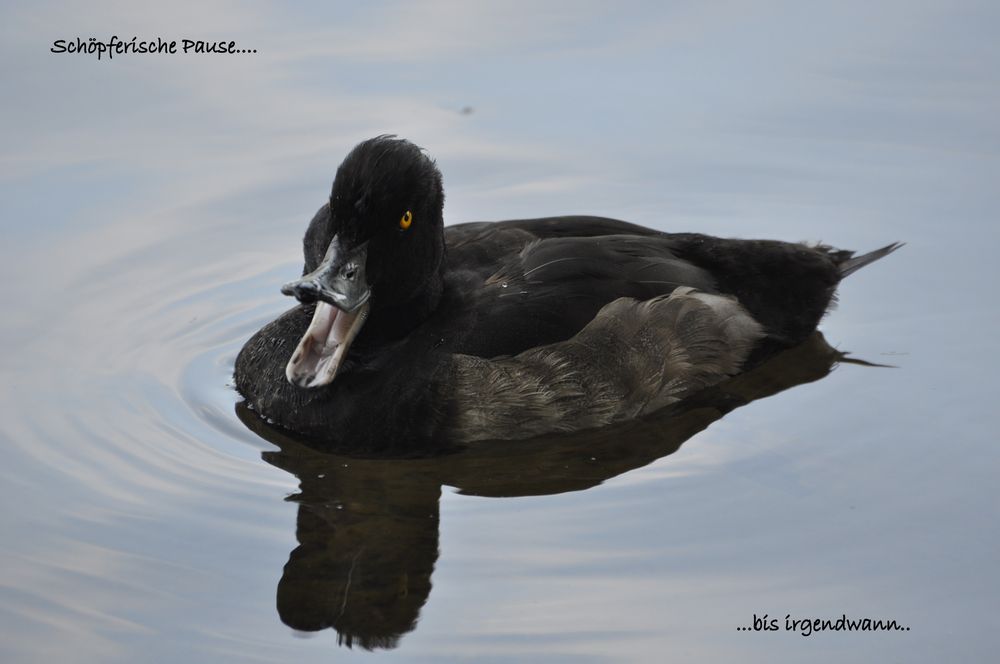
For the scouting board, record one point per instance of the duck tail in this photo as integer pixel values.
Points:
(851, 264)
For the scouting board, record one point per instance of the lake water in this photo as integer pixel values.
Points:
(152, 205)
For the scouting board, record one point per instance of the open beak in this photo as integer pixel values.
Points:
(340, 290)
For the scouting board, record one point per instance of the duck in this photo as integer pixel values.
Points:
(410, 335)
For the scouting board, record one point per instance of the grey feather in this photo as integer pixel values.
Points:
(852, 265)
(633, 358)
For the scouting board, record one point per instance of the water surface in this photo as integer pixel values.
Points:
(151, 207)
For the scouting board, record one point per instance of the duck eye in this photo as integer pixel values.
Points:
(406, 220)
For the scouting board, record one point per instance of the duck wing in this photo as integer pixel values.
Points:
(533, 282)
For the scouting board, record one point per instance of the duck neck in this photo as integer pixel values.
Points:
(389, 321)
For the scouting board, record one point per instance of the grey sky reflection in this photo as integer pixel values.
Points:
(151, 206)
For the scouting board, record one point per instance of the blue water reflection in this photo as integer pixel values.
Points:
(151, 207)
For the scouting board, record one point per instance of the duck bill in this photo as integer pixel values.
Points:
(340, 291)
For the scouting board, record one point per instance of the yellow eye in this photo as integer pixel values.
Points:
(406, 220)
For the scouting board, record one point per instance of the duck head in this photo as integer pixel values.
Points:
(374, 256)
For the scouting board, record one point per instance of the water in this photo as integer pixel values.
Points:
(151, 206)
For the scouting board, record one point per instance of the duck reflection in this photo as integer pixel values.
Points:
(368, 528)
